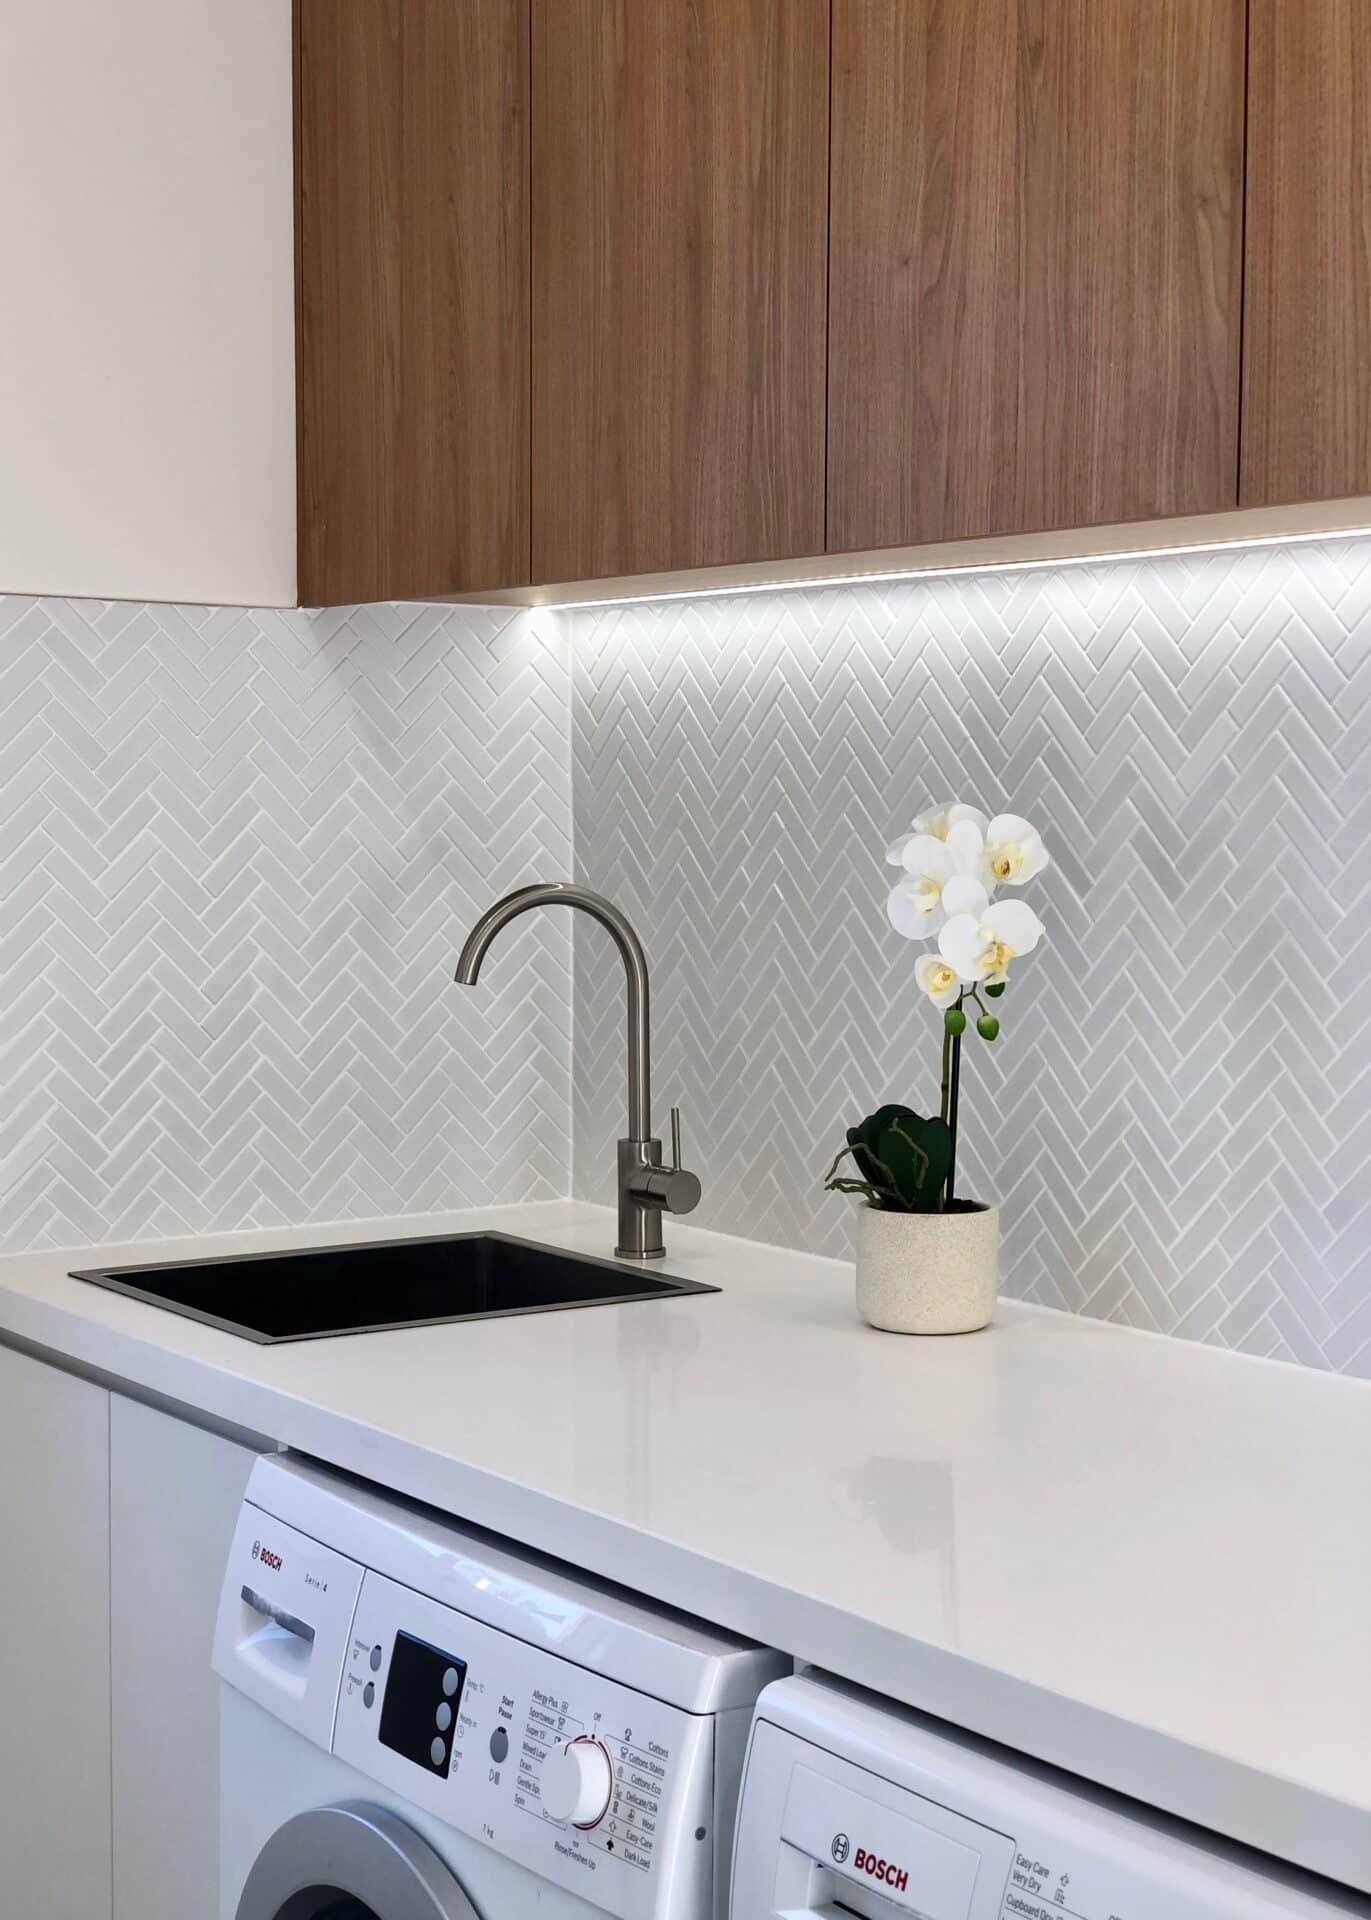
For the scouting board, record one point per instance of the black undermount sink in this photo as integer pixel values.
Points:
(384, 1284)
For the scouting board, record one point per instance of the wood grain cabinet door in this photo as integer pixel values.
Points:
(1306, 432)
(1035, 303)
(680, 202)
(412, 297)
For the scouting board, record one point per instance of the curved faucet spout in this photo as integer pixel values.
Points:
(563, 893)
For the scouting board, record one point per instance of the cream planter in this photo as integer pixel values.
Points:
(928, 1272)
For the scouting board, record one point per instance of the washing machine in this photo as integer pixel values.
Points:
(851, 1805)
(421, 1721)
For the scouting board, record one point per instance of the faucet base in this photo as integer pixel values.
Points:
(640, 1226)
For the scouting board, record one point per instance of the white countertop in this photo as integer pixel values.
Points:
(1141, 1559)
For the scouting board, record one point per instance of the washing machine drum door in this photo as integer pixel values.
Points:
(351, 1862)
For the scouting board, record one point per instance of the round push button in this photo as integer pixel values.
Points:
(376, 1658)
(451, 1681)
(443, 1716)
(437, 1753)
(499, 1745)
(369, 1694)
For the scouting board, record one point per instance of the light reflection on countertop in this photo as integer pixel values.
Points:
(1139, 1558)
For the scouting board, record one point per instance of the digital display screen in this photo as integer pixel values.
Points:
(419, 1712)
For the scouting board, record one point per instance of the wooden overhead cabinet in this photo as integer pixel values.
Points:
(1035, 270)
(680, 205)
(1307, 345)
(413, 354)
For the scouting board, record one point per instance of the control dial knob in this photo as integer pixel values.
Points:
(578, 1782)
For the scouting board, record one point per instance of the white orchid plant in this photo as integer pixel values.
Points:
(954, 859)
(953, 862)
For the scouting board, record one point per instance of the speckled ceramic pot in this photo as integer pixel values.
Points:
(928, 1272)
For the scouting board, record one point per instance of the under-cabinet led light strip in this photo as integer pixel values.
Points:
(1046, 563)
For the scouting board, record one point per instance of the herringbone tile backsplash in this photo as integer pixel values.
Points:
(1177, 1116)
(238, 854)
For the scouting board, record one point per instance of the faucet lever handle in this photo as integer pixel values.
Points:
(668, 1189)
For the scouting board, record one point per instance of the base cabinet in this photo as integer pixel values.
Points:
(174, 1497)
(115, 1522)
(54, 1643)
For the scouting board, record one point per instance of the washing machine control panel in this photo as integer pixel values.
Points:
(600, 1788)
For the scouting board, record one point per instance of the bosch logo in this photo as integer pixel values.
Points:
(888, 1872)
(841, 1847)
(266, 1556)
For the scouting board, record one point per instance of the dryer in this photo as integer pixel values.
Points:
(422, 1722)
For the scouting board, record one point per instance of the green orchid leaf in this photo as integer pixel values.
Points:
(901, 1160)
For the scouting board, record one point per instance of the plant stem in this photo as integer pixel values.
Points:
(952, 1086)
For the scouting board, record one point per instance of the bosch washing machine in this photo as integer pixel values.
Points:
(421, 1722)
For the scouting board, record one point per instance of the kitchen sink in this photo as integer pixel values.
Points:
(383, 1285)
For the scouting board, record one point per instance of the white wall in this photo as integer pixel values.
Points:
(147, 364)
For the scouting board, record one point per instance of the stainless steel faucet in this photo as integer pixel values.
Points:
(648, 1188)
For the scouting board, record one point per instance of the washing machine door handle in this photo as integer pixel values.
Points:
(353, 1852)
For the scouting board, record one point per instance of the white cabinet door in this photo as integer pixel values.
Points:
(174, 1497)
(147, 328)
(54, 1643)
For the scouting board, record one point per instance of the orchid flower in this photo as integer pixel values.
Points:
(937, 823)
(1014, 851)
(941, 878)
(979, 947)
(942, 983)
